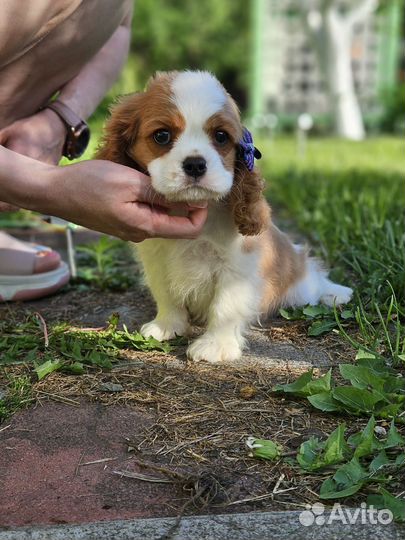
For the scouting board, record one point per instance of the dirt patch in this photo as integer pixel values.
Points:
(185, 425)
(47, 474)
(182, 427)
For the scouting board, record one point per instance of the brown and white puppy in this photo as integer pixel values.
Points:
(184, 130)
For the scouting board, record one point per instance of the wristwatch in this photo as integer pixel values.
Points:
(78, 132)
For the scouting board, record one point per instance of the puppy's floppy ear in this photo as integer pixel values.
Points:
(249, 208)
(120, 130)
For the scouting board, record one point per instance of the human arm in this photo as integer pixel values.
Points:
(100, 195)
(42, 135)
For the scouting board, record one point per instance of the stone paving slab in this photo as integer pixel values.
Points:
(252, 526)
(47, 469)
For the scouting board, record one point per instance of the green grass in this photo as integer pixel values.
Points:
(60, 346)
(106, 264)
(349, 199)
(17, 394)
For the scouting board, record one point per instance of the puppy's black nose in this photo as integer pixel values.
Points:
(195, 166)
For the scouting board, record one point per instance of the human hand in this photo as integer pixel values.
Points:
(40, 136)
(118, 200)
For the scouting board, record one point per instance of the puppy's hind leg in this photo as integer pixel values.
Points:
(334, 294)
(316, 287)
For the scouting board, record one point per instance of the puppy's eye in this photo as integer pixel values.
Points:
(162, 136)
(221, 137)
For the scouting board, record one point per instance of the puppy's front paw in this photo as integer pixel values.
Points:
(165, 329)
(337, 294)
(214, 349)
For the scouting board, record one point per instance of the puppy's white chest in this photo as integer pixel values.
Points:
(192, 271)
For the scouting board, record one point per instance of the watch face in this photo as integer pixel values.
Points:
(82, 137)
(77, 141)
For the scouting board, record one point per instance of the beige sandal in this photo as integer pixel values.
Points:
(29, 271)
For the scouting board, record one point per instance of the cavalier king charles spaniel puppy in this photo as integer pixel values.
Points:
(185, 132)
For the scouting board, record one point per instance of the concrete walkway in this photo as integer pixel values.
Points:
(252, 526)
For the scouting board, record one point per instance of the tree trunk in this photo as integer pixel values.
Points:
(339, 76)
(332, 34)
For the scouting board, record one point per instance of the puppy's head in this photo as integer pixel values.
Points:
(184, 131)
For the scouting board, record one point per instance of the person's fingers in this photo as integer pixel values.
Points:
(136, 237)
(197, 204)
(3, 136)
(198, 217)
(146, 194)
(161, 224)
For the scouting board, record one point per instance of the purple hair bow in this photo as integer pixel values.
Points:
(247, 150)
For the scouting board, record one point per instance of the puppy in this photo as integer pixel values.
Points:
(185, 132)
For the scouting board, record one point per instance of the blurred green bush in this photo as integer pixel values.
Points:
(187, 34)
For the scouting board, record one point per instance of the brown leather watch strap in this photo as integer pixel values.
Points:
(70, 118)
(77, 131)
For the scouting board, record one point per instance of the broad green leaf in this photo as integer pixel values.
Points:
(31, 356)
(393, 384)
(292, 314)
(306, 385)
(264, 448)
(314, 454)
(378, 462)
(356, 399)
(336, 448)
(367, 441)
(98, 358)
(400, 460)
(325, 402)
(360, 376)
(76, 368)
(76, 351)
(376, 365)
(388, 411)
(296, 387)
(394, 437)
(48, 367)
(329, 490)
(321, 327)
(364, 354)
(346, 314)
(350, 473)
(386, 500)
(316, 311)
(322, 384)
(309, 454)
(347, 480)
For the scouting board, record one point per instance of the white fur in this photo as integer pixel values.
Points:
(315, 287)
(217, 284)
(210, 280)
(197, 95)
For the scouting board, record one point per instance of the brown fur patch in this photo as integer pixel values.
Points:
(280, 265)
(128, 134)
(226, 120)
(249, 207)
